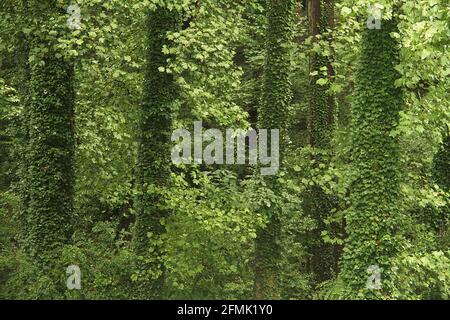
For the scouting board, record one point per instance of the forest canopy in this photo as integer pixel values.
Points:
(225, 149)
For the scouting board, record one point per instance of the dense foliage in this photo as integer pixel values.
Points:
(91, 92)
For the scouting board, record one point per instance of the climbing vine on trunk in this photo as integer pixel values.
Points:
(374, 220)
(273, 114)
(155, 129)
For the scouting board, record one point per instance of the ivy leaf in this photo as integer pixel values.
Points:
(322, 81)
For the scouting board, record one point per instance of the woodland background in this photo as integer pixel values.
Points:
(86, 179)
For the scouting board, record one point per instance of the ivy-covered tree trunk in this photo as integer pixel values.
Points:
(21, 135)
(316, 203)
(15, 69)
(374, 219)
(273, 114)
(153, 167)
(318, 104)
(49, 178)
(441, 162)
(441, 175)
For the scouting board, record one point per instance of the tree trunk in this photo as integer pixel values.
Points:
(49, 176)
(273, 114)
(316, 203)
(153, 167)
(374, 220)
